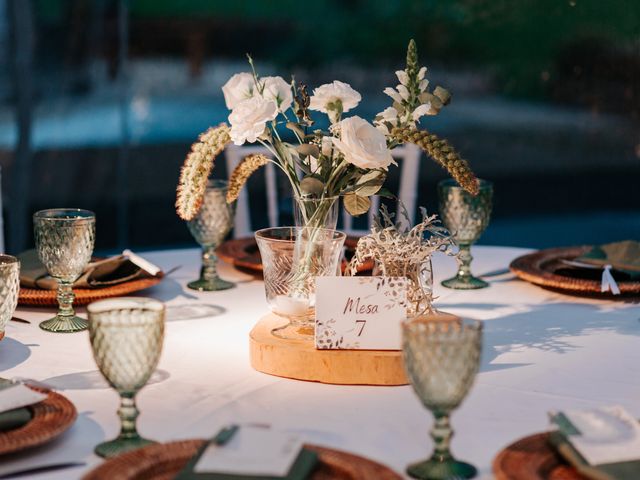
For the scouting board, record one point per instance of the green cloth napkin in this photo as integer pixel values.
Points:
(610, 471)
(100, 274)
(16, 418)
(622, 256)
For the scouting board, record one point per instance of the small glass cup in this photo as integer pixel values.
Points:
(9, 288)
(292, 257)
(467, 217)
(126, 337)
(316, 212)
(442, 357)
(212, 224)
(64, 240)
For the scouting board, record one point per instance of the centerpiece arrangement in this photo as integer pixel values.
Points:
(349, 158)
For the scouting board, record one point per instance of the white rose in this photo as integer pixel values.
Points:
(330, 93)
(362, 144)
(249, 119)
(276, 89)
(238, 88)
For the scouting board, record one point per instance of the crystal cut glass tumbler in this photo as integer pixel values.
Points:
(292, 258)
(126, 337)
(9, 288)
(212, 224)
(442, 358)
(64, 241)
(466, 217)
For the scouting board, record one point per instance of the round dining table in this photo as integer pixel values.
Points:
(542, 351)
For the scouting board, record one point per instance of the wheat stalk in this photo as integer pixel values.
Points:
(443, 153)
(242, 173)
(197, 168)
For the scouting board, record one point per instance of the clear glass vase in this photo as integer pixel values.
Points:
(419, 277)
(292, 257)
(316, 212)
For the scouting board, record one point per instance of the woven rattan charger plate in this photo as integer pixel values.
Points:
(532, 458)
(50, 418)
(164, 461)
(540, 268)
(84, 296)
(243, 253)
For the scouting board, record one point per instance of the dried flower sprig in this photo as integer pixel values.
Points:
(402, 251)
(241, 174)
(442, 152)
(197, 168)
(411, 98)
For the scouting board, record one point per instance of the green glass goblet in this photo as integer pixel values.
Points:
(212, 224)
(442, 358)
(9, 288)
(466, 217)
(64, 241)
(126, 338)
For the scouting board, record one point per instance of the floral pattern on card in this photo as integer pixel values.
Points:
(360, 312)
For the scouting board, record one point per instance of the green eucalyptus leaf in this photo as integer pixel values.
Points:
(370, 176)
(307, 149)
(368, 190)
(355, 204)
(311, 186)
(386, 193)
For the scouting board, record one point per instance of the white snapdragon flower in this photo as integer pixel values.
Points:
(278, 90)
(424, 109)
(403, 78)
(249, 119)
(238, 88)
(326, 98)
(362, 144)
(393, 94)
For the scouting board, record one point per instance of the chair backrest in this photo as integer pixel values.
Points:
(2, 250)
(234, 155)
(409, 163)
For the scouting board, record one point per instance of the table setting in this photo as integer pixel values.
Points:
(305, 353)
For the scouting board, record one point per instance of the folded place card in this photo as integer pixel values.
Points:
(604, 435)
(252, 451)
(360, 313)
(17, 396)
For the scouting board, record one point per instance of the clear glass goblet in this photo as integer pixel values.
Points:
(292, 258)
(466, 217)
(64, 240)
(126, 337)
(212, 224)
(9, 288)
(442, 358)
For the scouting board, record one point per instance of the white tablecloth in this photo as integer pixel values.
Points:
(542, 351)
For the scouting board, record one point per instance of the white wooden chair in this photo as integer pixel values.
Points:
(2, 248)
(408, 157)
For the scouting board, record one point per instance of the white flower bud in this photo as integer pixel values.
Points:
(403, 78)
(404, 92)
